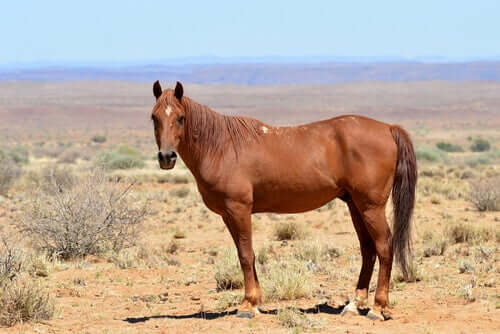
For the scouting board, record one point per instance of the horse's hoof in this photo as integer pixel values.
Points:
(245, 314)
(377, 315)
(350, 308)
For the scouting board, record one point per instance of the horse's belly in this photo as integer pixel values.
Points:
(293, 201)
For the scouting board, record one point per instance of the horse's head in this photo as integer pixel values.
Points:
(168, 118)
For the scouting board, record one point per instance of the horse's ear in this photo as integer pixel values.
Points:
(157, 89)
(179, 91)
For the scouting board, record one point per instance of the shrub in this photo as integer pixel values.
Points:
(55, 179)
(289, 231)
(449, 147)
(173, 246)
(291, 317)
(68, 157)
(476, 161)
(228, 274)
(435, 246)
(24, 300)
(98, 139)
(92, 216)
(428, 154)
(180, 192)
(227, 300)
(9, 173)
(12, 260)
(19, 155)
(286, 280)
(116, 160)
(485, 194)
(461, 232)
(480, 145)
(414, 274)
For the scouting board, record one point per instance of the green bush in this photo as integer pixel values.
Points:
(18, 155)
(98, 139)
(476, 161)
(449, 147)
(429, 154)
(118, 160)
(480, 145)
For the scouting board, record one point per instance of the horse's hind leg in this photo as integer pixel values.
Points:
(368, 254)
(376, 225)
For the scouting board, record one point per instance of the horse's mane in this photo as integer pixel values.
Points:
(208, 132)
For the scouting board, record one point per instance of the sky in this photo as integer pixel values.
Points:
(145, 31)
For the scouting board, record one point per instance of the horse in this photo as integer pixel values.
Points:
(244, 166)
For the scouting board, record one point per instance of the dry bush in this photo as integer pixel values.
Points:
(180, 192)
(228, 274)
(462, 232)
(21, 298)
(92, 216)
(286, 280)
(465, 266)
(485, 194)
(172, 247)
(435, 246)
(68, 157)
(291, 317)
(264, 253)
(12, 260)
(414, 274)
(9, 173)
(24, 300)
(227, 300)
(290, 230)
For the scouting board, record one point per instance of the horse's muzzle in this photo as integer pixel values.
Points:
(167, 160)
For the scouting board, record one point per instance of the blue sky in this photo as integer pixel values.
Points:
(135, 31)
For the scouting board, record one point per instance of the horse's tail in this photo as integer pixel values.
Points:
(403, 197)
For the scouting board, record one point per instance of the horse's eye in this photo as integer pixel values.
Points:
(180, 120)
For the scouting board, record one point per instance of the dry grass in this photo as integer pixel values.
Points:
(24, 300)
(228, 274)
(227, 300)
(9, 173)
(289, 230)
(291, 317)
(287, 279)
(467, 233)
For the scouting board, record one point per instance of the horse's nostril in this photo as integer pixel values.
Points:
(172, 155)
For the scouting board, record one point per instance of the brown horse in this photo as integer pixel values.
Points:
(243, 166)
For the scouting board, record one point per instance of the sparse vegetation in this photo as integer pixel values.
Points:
(466, 233)
(23, 300)
(91, 217)
(291, 317)
(480, 145)
(227, 300)
(287, 279)
(429, 154)
(449, 147)
(228, 274)
(68, 157)
(98, 139)
(435, 246)
(289, 230)
(485, 194)
(125, 158)
(180, 192)
(9, 173)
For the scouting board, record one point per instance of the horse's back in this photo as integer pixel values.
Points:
(300, 168)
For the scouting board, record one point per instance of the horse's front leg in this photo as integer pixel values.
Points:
(238, 221)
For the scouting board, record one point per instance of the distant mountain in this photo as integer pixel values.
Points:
(267, 73)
